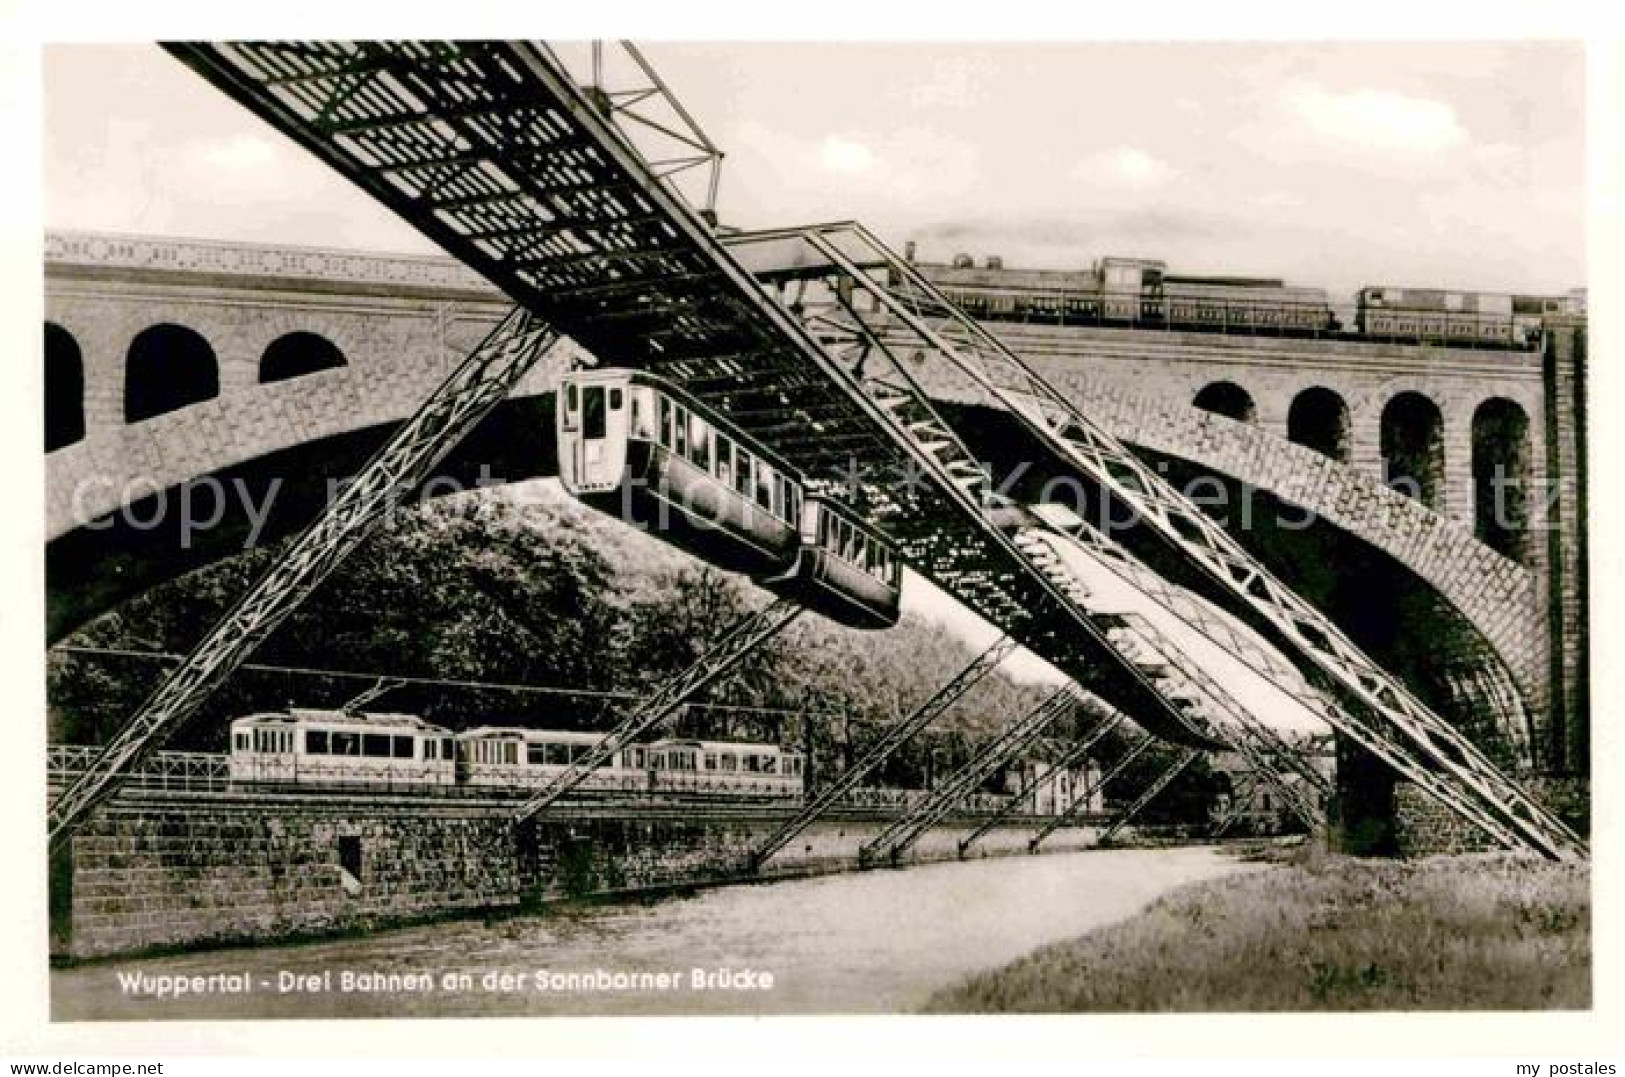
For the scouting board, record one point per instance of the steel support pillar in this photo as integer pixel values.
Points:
(741, 640)
(894, 737)
(1072, 755)
(1077, 806)
(897, 838)
(400, 466)
(1175, 769)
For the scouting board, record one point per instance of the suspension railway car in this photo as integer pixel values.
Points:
(636, 447)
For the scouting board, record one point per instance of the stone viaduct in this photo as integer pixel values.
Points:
(275, 370)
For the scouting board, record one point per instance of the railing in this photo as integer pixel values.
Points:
(210, 772)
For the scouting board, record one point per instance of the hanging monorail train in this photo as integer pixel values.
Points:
(641, 449)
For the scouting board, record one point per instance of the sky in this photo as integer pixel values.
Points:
(1332, 164)
(1335, 164)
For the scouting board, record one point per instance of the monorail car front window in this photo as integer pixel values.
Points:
(594, 419)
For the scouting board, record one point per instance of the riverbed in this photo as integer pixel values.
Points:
(864, 942)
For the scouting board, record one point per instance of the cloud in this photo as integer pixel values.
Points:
(1377, 119)
(845, 155)
(1127, 167)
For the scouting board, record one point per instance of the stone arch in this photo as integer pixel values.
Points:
(1319, 419)
(1228, 399)
(64, 389)
(168, 367)
(293, 355)
(1501, 474)
(1412, 445)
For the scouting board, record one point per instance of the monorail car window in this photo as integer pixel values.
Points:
(699, 442)
(725, 460)
(535, 754)
(665, 422)
(710, 760)
(764, 486)
(346, 743)
(743, 473)
(617, 399)
(679, 431)
(431, 749)
(572, 405)
(315, 742)
(403, 748)
(243, 740)
(375, 744)
(594, 421)
(557, 755)
(642, 420)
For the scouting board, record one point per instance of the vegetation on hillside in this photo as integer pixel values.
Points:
(522, 585)
(1480, 932)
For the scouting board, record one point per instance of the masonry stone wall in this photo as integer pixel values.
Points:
(156, 877)
(229, 870)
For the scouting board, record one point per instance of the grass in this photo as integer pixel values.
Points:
(1479, 932)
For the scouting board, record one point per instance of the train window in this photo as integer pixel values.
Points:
(679, 431)
(572, 398)
(742, 473)
(446, 749)
(616, 400)
(770, 764)
(558, 755)
(725, 460)
(665, 422)
(242, 741)
(710, 760)
(699, 442)
(637, 758)
(642, 417)
(346, 743)
(753, 763)
(431, 749)
(764, 485)
(794, 514)
(375, 744)
(778, 496)
(729, 761)
(535, 754)
(403, 748)
(510, 754)
(316, 742)
(594, 422)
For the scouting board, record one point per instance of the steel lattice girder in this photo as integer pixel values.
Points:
(893, 738)
(1139, 748)
(751, 632)
(1379, 712)
(421, 125)
(1074, 754)
(897, 838)
(438, 120)
(481, 382)
(1165, 779)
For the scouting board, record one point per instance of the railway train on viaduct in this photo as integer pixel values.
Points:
(1141, 293)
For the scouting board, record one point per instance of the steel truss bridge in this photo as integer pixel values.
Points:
(813, 340)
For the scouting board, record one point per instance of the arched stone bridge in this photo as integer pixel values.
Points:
(272, 369)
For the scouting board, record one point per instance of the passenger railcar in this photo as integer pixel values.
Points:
(735, 767)
(634, 446)
(1133, 292)
(843, 569)
(1436, 315)
(514, 757)
(337, 747)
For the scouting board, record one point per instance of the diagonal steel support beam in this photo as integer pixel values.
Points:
(750, 633)
(894, 737)
(901, 835)
(1375, 709)
(1076, 754)
(1165, 779)
(1077, 806)
(1239, 799)
(399, 467)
